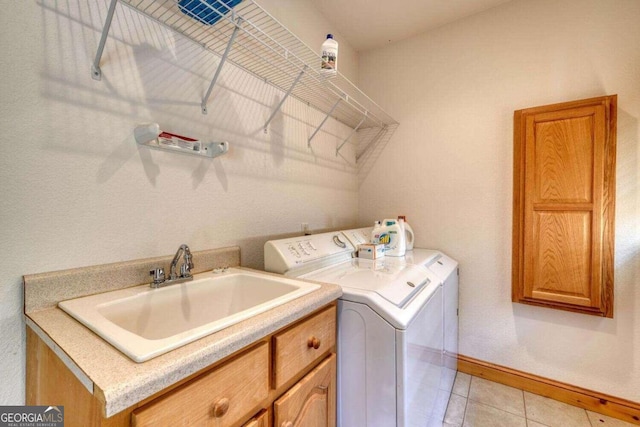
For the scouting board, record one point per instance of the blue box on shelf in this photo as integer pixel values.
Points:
(207, 11)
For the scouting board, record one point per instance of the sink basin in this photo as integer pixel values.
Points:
(143, 322)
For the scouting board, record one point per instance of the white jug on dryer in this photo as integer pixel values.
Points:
(408, 232)
(392, 236)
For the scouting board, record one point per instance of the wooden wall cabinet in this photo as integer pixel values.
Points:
(287, 379)
(563, 205)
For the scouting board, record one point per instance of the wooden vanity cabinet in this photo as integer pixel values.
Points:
(284, 380)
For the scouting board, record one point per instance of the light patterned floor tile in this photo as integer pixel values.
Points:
(455, 410)
(534, 424)
(553, 413)
(461, 385)
(479, 415)
(440, 423)
(497, 395)
(605, 421)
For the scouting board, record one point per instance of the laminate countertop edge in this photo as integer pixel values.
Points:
(121, 383)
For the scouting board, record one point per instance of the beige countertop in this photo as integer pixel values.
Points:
(120, 382)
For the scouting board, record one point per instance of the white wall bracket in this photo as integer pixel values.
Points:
(355, 129)
(96, 72)
(286, 95)
(221, 64)
(383, 130)
(322, 124)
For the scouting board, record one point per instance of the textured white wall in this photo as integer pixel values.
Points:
(449, 169)
(75, 188)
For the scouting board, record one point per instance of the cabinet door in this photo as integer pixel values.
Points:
(563, 206)
(260, 420)
(312, 401)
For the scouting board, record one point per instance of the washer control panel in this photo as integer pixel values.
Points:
(283, 255)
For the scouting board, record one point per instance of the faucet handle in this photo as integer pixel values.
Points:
(158, 275)
(188, 258)
(185, 270)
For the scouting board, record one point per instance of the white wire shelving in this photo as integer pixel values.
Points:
(249, 37)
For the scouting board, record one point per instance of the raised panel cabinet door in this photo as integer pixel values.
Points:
(311, 402)
(564, 170)
(260, 420)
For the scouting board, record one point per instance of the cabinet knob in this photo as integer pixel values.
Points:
(286, 424)
(221, 407)
(313, 342)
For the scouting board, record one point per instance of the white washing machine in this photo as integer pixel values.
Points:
(390, 330)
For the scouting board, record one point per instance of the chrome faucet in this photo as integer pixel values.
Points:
(185, 269)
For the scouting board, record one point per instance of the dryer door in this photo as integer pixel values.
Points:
(366, 367)
(423, 383)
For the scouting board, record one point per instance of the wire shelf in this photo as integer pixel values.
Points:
(252, 39)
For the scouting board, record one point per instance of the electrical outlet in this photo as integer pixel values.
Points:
(305, 228)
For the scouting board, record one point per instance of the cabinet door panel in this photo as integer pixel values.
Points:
(561, 259)
(564, 173)
(312, 401)
(564, 158)
(260, 420)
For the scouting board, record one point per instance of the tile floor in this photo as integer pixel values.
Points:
(477, 402)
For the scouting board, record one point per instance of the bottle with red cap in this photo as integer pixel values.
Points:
(408, 231)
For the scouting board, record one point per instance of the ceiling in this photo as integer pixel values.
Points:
(368, 24)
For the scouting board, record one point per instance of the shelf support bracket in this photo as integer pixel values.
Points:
(355, 129)
(374, 141)
(96, 72)
(295, 82)
(322, 124)
(220, 65)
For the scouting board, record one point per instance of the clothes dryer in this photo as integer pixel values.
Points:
(446, 269)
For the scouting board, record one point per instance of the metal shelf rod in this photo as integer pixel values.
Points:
(286, 95)
(96, 72)
(322, 124)
(374, 140)
(355, 129)
(220, 65)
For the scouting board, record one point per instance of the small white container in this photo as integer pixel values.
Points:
(370, 251)
(329, 65)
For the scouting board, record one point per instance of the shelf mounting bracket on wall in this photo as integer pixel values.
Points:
(355, 129)
(96, 72)
(322, 124)
(383, 130)
(221, 63)
(286, 95)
